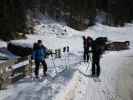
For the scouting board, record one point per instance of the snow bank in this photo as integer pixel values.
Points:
(113, 33)
(3, 44)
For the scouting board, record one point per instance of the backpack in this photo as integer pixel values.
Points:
(99, 45)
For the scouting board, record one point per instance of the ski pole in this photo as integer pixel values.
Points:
(68, 55)
(30, 71)
(64, 50)
(53, 63)
(89, 62)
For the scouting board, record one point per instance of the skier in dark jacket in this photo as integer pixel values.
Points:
(39, 55)
(98, 48)
(87, 42)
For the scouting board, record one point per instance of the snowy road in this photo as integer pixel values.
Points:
(116, 81)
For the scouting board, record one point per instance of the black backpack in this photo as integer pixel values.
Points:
(99, 45)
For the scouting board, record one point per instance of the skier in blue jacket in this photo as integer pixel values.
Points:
(39, 55)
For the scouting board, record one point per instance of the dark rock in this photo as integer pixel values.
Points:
(117, 46)
(19, 50)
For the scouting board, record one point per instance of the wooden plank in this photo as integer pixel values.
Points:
(19, 73)
(17, 77)
(19, 69)
(29, 69)
(18, 60)
(9, 62)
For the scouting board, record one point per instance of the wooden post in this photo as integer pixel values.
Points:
(5, 73)
(29, 67)
(9, 75)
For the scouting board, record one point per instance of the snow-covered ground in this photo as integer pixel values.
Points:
(72, 83)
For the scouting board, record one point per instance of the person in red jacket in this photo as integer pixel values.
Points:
(87, 42)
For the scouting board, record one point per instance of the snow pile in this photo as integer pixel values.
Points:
(3, 44)
(113, 33)
(54, 29)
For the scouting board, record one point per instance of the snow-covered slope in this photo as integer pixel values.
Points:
(116, 76)
(54, 35)
(113, 33)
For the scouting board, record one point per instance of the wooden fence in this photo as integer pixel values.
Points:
(14, 70)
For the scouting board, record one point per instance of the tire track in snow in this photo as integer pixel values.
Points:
(69, 92)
